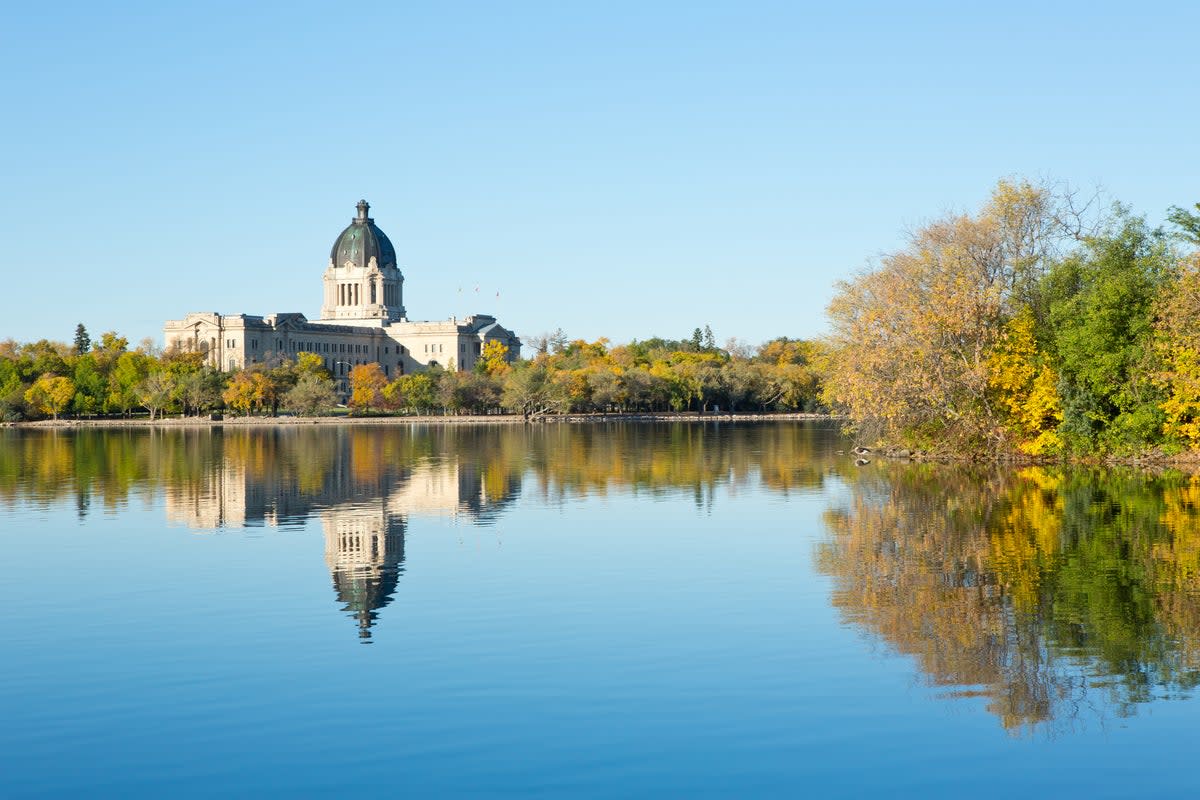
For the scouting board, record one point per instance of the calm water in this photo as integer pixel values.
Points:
(625, 610)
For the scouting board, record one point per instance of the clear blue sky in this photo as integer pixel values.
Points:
(615, 169)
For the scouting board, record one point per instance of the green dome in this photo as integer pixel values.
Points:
(362, 241)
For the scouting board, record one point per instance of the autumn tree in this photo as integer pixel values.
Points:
(366, 387)
(50, 394)
(912, 339)
(239, 393)
(1026, 387)
(1177, 341)
(493, 358)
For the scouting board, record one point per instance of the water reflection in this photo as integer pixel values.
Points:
(362, 483)
(1049, 592)
(1054, 594)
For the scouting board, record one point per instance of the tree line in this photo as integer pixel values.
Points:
(83, 379)
(1042, 324)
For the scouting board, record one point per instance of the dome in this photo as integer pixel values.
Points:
(362, 241)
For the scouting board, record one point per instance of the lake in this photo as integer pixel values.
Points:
(616, 609)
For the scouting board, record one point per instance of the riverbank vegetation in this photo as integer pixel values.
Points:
(1040, 325)
(53, 379)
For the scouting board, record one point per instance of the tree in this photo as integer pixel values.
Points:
(239, 394)
(50, 394)
(493, 358)
(912, 339)
(129, 369)
(311, 394)
(366, 386)
(91, 386)
(1100, 326)
(200, 390)
(83, 342)
(311, 364)
(530, 391)
(416, 391)
(1188, 223)
(1027, 387)
(110, 349)
(156, 391)
(1177, 341)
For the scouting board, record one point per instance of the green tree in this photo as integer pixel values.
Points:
(418, 391)
(156, 391)
(129, 369)
(83, 342)
(201, 390)
(1100, 329)
(312, 394)
(91, 386)
(1188, 223)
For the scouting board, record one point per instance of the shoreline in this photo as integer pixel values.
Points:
(466, 419)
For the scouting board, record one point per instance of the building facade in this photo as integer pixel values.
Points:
(362, 320)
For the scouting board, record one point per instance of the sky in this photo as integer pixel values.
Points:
(616, 169)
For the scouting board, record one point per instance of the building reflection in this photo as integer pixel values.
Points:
(362, 490)
(364, 548)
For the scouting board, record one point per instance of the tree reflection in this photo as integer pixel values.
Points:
(363, 482)
(1040, 589)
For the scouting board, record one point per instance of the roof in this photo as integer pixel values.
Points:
(361, 241)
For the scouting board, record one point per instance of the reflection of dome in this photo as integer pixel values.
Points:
(361, 242)
(364, 548)
(365, 590)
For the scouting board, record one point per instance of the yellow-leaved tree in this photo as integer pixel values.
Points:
(366, 386)
(1177, 339)
(50, 394)
(1026, 387)
(493, 358)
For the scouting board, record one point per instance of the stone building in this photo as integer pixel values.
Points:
(362, 320)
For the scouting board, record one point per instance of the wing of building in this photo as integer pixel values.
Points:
(362, 320)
